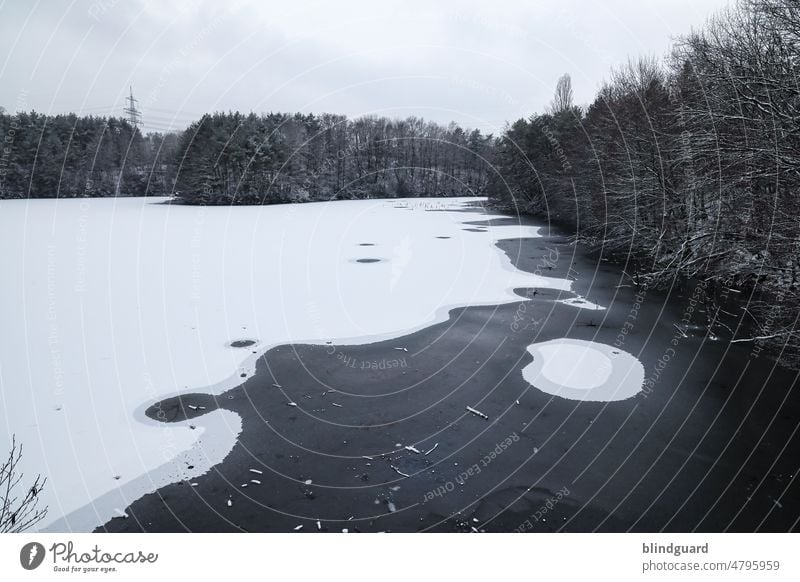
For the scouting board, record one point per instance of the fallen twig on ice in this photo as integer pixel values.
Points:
(477, 413)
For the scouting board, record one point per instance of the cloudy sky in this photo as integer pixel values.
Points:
(476, 63)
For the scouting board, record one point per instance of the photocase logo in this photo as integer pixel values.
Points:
(31, 555)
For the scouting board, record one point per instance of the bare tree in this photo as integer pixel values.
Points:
(18, 513)
(563, 98)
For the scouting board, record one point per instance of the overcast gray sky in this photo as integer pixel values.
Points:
(476, 63)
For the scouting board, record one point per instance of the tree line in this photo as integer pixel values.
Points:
(235, 158)
(687, 167)
(256, 159)
(48, 156)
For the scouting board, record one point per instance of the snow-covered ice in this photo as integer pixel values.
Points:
(110, 305)
(583, 370)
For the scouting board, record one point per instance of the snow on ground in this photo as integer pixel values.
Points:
(583, 370)
(109, 305)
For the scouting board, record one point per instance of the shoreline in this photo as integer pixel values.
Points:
(649, 463)
(717, 293)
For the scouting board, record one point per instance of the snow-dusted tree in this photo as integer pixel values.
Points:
(689, 167)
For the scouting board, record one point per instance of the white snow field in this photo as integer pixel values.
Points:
(583, 370)
(109, 305)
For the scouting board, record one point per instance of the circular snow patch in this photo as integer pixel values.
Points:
(583, 370)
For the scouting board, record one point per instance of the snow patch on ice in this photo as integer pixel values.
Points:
(583, 370)
(217, 432)
(581, 302)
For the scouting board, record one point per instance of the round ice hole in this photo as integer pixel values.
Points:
(242, 343)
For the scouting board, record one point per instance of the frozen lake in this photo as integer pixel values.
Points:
(110, 305)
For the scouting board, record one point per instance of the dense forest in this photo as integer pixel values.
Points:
(257, 159)
(231, 158)
(685, 168)
(68, 156)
